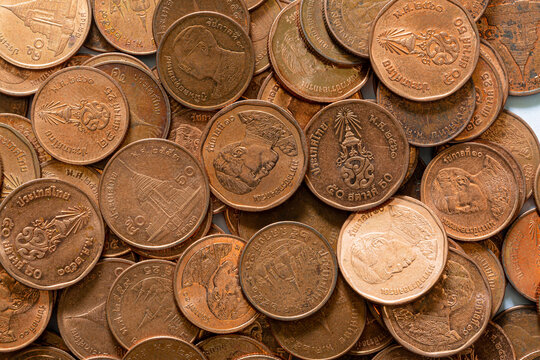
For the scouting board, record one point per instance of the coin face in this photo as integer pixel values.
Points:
(304, 73)
(52, 234)
(206, 61)
(261, 22)
(82, 177)
(495, 59)
(18, 81)
(407, 55)
(81, 312)
(493, 344)
(153, 194)
(472, 189)
(358, 155)
(116, 57)
(164, 348)
(374, 338)
(520, 323)
(95, 41)
(15, 105)
(229, 347)
(24, 127)
(288, 270)
(133, 317)
(37, 35)
(475, 7)
(42, 353)
(399, 352)
(254, 154)
(49, 338)
(114, 246)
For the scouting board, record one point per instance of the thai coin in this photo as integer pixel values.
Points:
(455, 246)
(24, 127)
(215, 230)
(261, 23)
(78, 59)
(116, 57)
(82, 177)
(399, 352)
(495, 244)
(493, 344)
(231, 216)
(228, 347)
(412, 186)
(414, 158)
(495, 59)
(255, 84)
(95, 41)
(52, 339)
(520, 323)
(374, 338)
(42, 353)
(16, 81)
(475, 7)
(164, 348)
(536, 188)
(14, 105)
(258, 357)
(114, 246)
(253, 4)
(260, 331)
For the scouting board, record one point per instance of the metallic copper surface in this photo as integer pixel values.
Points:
(521, 325)
(495, 59)
(260, 330)
(412, 186)
(164, 348)
(95, 41)
(18, 81)
(536, 188)
(399, 352)
(228, 347)
(258, 357)
(114, 246)
(24, 127)
(116, 57)
(374, 338)
(11, 104)
(52, 339)
(231, 216)
(42, 353)
(83, 177)
(255, 84)
(261, 22)
(494, 344)
(475, 7)
(78, 59)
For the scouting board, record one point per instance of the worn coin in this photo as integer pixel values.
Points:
(116, 57)
(164, 348)
(114, 246)
(18, 81)
(95, 41)
(24, 127)
(475, 7)
(536, 188)
(261, 23)
(374, 338)
(83, 177)
(521, 325)
(50, 338)
(12, 104)
(495, 59)
(229, 347)
(494, 344)
(494, 244)
(78, 60)
(397, 352)
(260, 331)
(42, 353)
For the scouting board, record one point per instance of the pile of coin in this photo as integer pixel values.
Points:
(342, 242)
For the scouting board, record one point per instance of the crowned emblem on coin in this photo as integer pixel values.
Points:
(86, 115)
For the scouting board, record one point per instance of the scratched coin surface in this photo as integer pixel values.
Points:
(254, 154)
(153, 194)
(82, 318)
(400, 353)
(521, 325)
(424, 52)
(472, 189)
(493, 344)
(83, 177)
(12, 104)
(394, 253)
(52, 234)
(164, 348)
(80, 115)
(450, 317)
(42, 353)
(288, 270)
(206, 60)
(18, 81)
(141, 305)
(24, 127)
(358, 155)
(229, 347)
(40, 34)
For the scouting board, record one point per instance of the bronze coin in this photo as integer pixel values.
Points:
(521, 325)
(114, 246)
(510, 28)
(253, 4)
(450, 317)
(358, 155)
(536, 188)
(116, 57)
(206, 285)
(261, 23)
(231, 216)
(328, 333)
(25, 313)
(78, 60)
(164, 348)
(228, 347)
(515, 135)
(304, 73)
(495, 59)
(16, 81)
(215, 230)
(83, 177)
(12, 104)
(95, 41)
(255, 84)
(42, 353)
(494, 344)
(288, 270)
(394, 253)
(405, 54)
(24, 127)
(494, 244)
(472, 189)
(80, 115)
(19, 160)
(520, 250)
(374, 338)
(349, 22)
(153, 194)
(431, 123)
(412, 186)
(398, 352)
(254, 154)
(101, 357)
(475, 7)
(81, 312)
(414, 158)
(141, 305)
(316, 35)
(50, 338)
(455, 246)
(260, 331)
(52, 234)
(205, 61)
(258, 357)
(39, 35)
(169, 11)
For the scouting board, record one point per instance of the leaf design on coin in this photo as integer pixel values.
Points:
(86, 116)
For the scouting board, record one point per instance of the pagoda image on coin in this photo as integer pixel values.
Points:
(87, 115)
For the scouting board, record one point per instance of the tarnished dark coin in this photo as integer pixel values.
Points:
(261, 23)
(328, 333)
(495, 59)
(153, 194)
(431, 123)
(398, 352)
(83, 177)
(24, 127)
(50, 338)
(82, 318)
(304, 73)
(472, 189)
(116, 57)
(258, 357)
(260, 331)
(495, 244)
(141, 305)
(114, 246)
(358, 155)
(412, 186)
(52, 234)
(164, 348)
(374, 338)
(450, 317)
(414, 158)
(12, 104)
(521, 325)
(42, 353)
(18, 81)
(407, 52)
(228, 347)
(255, 84)
(231, 216)
(494, 344)
(205, 60)
(288, 271)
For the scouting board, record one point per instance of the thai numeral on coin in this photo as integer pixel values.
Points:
(7, 226)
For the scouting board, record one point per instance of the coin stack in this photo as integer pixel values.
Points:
(341, 241)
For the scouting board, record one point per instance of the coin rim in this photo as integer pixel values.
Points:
(144, 341)
(33, 153)
(124, 58)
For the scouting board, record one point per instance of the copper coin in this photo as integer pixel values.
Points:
(450, 317)
(536, 188)
(374, 338)
(141, 305)
(495, 59)
(472, 189)
(328, 333)
(205, 60)
(515, 135)
(25, 313)
(12, 104)
(42, 353)
(50, 338)
(494, 244)
(258, 357)
(358, 155)
(261, 23)
(82, 177)
(95, 41)
(116, 57)
(492, 269)
(521, 325)
(510, 28)
(475, 7)
(302, 72)
(82, 319)
(255, 85)
(215, 230)
(19, 160)
(260, 330)
(349, 22)
(407, 54)
(206, 285)
(101, 357)
(78, 60)
(431, 123)
(231, 216)
(38, 34)
(228, 347)
(149, 109)
(316, 35)
(398, 352)
(414, 158)
(455, 246)
(520, 251)
(169, 11)
(153, 194)
(493, 344)
(18, 81)
(253, 4)
(114, 246)
(394, 253)
(52, 234)
(288, 270)
(80, 115)
(164, 348)
(412, 186)
(24, 127)
(254, 154)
